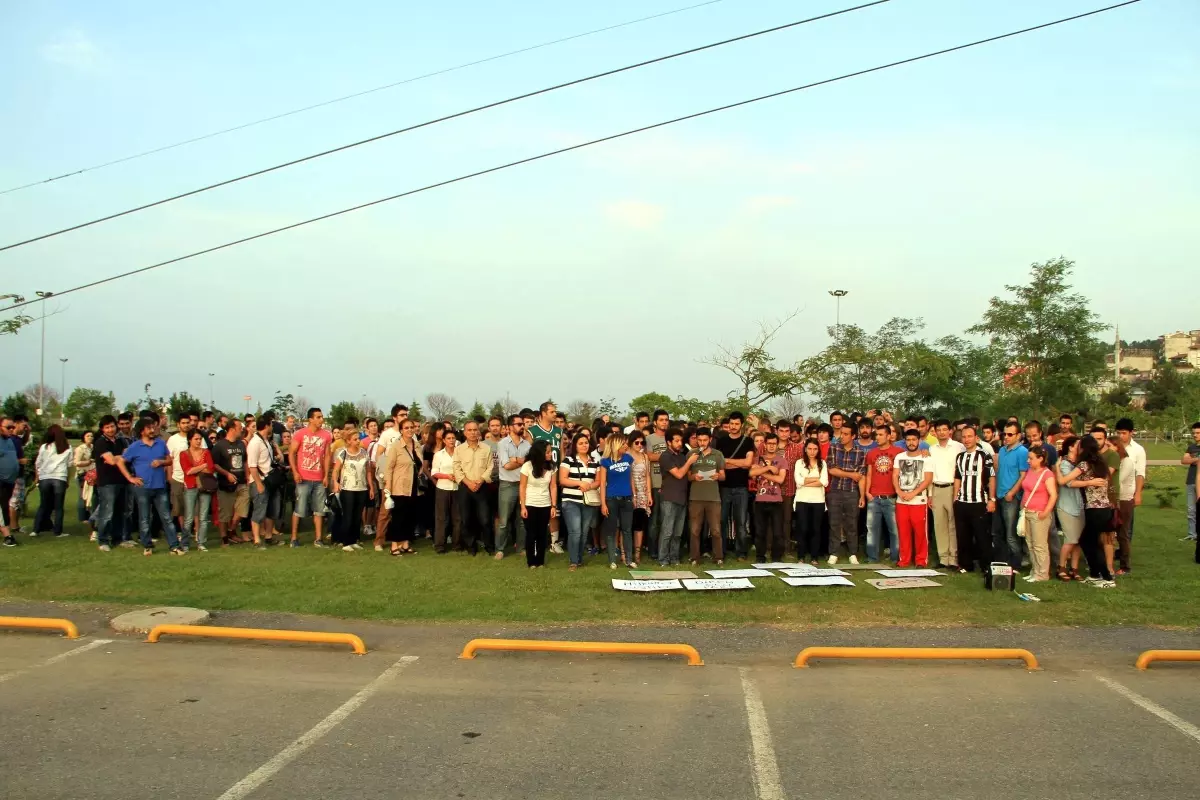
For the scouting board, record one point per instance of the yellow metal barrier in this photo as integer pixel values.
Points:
(803, 657)
(320, 637)
(550, 646)
(1166, 655)
(65, 625)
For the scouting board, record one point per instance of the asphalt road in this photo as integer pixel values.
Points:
(211, 719)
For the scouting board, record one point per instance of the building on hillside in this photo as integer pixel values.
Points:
(1134, 361)
(1178, 343)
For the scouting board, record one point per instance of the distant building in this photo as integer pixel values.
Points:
(1178, 344)
(1135, 361)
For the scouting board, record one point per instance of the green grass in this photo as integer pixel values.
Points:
(1163, 450)
(1163, 591)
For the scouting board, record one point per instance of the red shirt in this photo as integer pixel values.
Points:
(185, 461)
(879, 470)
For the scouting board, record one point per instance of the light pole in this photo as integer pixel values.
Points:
(62, 408)
(212, 403)
(42, 374)
(838, 294)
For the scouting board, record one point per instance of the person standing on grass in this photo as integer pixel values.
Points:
(580, 492)
(1012, 461)
(85, 465)
(704, 502)
(266, 479)
(770, 470)
(446, 506)
(656, 445)
(10, 470)
(616, 498)
(51, 470)
(233, 496)
(1039, 489)
(196, 461)
(812, 478)
(912, 475)
(176, 444)
(404, 460)
(149, 460)
(1132, 479)
(943, 452)
(974, 504)
(739, 454)
(674, 463)
(110, 484)
(1191, 459)
(538, 490)
(1069, 508)
(310, 454)
(881, 495)
(473, 470)
(512, 452)
(847, 472)
(643, 497)
(1094, 475)
(546, 429)
(350, 467)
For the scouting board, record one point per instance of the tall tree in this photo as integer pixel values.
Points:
(1163, 390)
(340, 412)
(414, 412)
(442, 406)
(17, 321)
(1048, 333)
(651, 401)
(85, 407)
(284, 405)
(582, 412)
(753, 366)
(183, 402)
(506, 407)
(476, 410)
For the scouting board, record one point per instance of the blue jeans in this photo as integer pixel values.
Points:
(579, 519)
(881, 511)
(191, 499)
(1190, 491)
(671, 530)
(106, 503)
(156, 501)
(53, 493)
(1006, 545)
(81, 508)
(511, 529)
(735, 504)
(620, 518)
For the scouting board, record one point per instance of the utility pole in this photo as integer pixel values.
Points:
(42, 374)
(62, 406)
(1117, 357)
(212, 403)
(838, 294)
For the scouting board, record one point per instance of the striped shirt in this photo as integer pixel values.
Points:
(975, 468)
(578, 471)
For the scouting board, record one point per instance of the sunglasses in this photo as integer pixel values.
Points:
(637, 442)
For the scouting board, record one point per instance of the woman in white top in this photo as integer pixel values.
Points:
(811, 479)
(539, 490)
(53, 463)
(350, 485)
(445, 505)
(84, 463)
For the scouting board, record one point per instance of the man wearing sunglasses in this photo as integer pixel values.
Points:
(10, 470)
(1012, 464)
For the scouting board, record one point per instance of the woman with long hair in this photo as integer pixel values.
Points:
(1039, 491)
(538, 493)
(579, 482)
(404, 459)
(194, 462)
(85, 465)
(1094, 474)
(812, 476)
(1069, 509)
(616, 497)
(432, 441)
(51, 471)
(643, 497)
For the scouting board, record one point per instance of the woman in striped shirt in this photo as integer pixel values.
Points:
(577, 475)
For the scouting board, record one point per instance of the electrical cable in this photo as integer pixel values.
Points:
(582, 145)
(361, 93)
(428, 123)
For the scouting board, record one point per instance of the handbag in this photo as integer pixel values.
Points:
(207, 482)
(89, 477)
(1028, 497)
(274, 479)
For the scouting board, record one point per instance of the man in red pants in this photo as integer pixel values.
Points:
(912, 473)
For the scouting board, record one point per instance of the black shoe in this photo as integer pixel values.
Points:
(10, 541)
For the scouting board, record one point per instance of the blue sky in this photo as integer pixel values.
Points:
(945, 179)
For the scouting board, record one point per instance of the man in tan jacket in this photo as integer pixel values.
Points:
(473, 469)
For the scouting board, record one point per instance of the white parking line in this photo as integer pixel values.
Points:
(92, 645)
(1181, 725)
(764, 769)
(293, 751)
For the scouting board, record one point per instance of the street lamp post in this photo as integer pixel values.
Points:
(838, 294)
(212, 403)
(62, 408)
(42, 373)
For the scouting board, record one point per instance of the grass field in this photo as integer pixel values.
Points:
(1164, 589)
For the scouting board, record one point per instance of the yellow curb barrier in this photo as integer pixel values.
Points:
(46, 623)
(318, 637)
(550, 646)
(1147, 657)
(808, 653)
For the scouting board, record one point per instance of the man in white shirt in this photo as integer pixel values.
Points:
(176, 444)
(912, 473)
(942, 454)
(1132, 478)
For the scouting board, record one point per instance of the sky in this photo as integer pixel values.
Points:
(609, 271)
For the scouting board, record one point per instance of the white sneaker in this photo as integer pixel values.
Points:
(853, 559)
(557, 549)
(357, 546)
(1106, 585)
(832, 560)
(348, 549)
(93, 537)
(104, 548)
(613, 565)
(378, 548)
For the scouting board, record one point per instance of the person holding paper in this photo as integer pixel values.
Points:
(704, 504)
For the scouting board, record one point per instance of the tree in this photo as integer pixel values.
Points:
(340, 412)
(752, 364)
(284, 405)
(16, 404)
(1117, 396)
(476, 411)
(414, 412)
(1163, 390)
(582, 412)
(301, 405)
(786, 407)
(506, 407)
(608, 405)
(182, 402)
(442, 406)
(86, 406)
(1047, 332)
(14, 323)
(652, 401)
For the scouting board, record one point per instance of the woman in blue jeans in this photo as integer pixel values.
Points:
(616, 497)
(52, 467)
(579, 483)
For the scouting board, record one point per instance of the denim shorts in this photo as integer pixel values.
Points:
(310, 499)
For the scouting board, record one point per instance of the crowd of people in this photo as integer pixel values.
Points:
(958, 495)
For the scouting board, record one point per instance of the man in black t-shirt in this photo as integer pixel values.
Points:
(735, 499)
(233, 493)
(110, 483)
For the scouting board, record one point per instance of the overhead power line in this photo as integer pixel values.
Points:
(354, 95)
(428, 123)
(582, 145)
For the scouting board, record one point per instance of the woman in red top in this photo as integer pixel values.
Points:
(194, 461)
